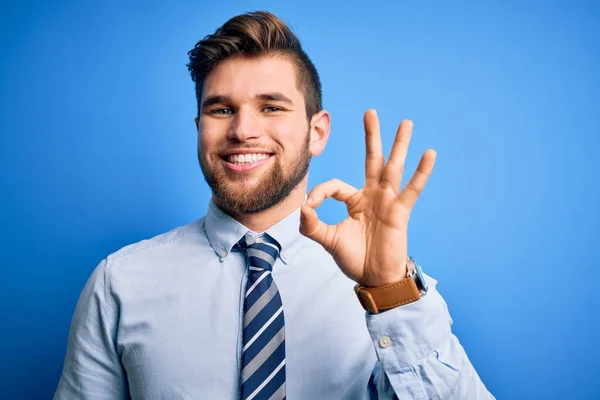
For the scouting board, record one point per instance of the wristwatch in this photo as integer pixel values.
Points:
(409, 289)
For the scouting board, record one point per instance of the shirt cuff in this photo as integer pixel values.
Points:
(405, 334)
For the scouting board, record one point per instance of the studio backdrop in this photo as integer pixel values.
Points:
(98, 150)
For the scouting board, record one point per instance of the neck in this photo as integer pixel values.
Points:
(263, 220)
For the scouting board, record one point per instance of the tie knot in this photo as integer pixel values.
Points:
(262, 251)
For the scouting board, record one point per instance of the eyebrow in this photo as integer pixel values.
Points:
(215, 99)
(223, 99)
(276, 96)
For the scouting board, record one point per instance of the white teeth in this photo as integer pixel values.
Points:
(246, 158)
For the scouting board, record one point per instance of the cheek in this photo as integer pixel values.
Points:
(289, 134)
(203, 140)
(208, 141)
(210, 134)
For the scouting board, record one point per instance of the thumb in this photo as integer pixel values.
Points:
(313, 228)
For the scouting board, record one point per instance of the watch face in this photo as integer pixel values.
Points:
(420, 279)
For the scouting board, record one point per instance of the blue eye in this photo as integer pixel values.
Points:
(222, 111)
(271, 109)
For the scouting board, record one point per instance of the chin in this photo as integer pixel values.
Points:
(244, 183)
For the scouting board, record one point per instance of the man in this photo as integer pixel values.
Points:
(257, 300)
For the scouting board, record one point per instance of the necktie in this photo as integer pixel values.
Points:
(263, 352)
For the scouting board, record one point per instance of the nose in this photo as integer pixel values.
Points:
(246, 125)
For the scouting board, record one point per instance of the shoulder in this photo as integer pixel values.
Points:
(137, 268)
(173, 238)
(151, 258)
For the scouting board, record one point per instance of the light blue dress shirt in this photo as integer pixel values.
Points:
(161, 319)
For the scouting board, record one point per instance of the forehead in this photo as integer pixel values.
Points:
(245, 78)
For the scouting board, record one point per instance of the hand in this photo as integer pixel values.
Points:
(370, 246)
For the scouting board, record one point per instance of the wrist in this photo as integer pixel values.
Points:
(408, 289)
(383, 279)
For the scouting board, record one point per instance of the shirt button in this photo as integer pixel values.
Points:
(223, 253)
(385, 341)
(284, 256)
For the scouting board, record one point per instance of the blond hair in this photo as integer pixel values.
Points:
(255, 35)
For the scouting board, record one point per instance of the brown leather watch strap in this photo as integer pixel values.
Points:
(378, 299)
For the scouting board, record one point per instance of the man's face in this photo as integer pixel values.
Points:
(253, 133)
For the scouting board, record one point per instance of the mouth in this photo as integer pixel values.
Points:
(245, 162)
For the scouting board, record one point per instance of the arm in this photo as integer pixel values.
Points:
(92, 367)
(422, 359)
(419, 357)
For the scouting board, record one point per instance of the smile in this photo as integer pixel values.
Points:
(240, 159)
(245, 162)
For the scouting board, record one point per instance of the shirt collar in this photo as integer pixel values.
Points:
(223, 232)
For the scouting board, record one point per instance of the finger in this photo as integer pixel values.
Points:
(394, 169)
(313, 228)
(409, 195)
(335, 188)
(374, 160)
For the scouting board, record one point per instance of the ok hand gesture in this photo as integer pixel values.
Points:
(370, 246)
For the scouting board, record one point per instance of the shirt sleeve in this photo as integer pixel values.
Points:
(92, 367)
(418, 356)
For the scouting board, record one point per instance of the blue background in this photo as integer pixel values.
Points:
(98, 150)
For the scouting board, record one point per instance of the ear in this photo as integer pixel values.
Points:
(197, 122)
(320, 124)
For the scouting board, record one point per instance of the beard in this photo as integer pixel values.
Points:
(274, 186)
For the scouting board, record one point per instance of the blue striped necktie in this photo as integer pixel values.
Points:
(263, 352)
